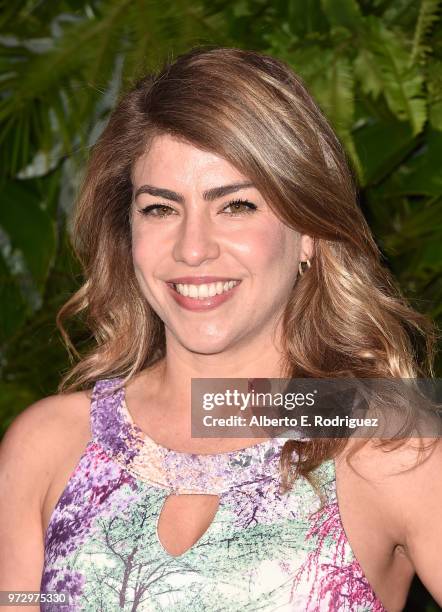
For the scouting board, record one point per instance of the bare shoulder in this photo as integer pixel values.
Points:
(407, 483)
(41, 433)
(37, 444)
(52, 414)
(379, 460)
(397, 476)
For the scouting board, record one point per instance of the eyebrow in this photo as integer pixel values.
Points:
(211, 194)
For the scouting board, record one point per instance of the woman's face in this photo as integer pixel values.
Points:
(185, 232)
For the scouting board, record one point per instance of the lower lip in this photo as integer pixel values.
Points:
(206, 303)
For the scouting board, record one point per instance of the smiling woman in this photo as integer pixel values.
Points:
(238, 251)
(220, 236)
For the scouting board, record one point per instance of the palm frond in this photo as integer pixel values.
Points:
(386, 59)
(428, 15)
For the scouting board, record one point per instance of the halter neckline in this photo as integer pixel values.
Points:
(115, 429)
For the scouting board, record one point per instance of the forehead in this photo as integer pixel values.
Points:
(170, 159)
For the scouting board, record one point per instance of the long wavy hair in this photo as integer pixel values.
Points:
(346, 315)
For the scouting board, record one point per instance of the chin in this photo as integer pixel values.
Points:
(201, 340)
(205, 346)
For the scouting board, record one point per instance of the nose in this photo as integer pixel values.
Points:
(196, 241)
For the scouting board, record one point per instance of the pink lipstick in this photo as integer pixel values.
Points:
(203, 304)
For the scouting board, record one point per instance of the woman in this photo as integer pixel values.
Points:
(220, 237)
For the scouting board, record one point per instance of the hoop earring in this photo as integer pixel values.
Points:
(301, 271)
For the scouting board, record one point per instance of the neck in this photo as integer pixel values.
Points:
(179, 366)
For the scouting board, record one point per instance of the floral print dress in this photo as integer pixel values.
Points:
(264, 550)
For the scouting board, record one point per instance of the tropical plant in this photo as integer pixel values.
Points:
(375, 66)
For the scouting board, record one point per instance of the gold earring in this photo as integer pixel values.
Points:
(301, 272)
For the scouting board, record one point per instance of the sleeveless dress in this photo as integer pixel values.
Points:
(263, 551)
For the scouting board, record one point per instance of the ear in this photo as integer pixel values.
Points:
(306, 251)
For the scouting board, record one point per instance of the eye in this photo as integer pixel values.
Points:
(241, 207)
(163, 210)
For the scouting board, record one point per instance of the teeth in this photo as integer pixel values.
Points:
(202, 292)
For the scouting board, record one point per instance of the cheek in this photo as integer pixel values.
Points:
(138, 252)
(142, 248)
(139, 261)
(142, 264)
(273, 248)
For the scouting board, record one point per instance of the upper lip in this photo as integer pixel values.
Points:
(199, 280)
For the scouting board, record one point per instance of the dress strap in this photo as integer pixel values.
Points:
(107, 425)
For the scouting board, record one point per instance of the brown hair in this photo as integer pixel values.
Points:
(345, 316)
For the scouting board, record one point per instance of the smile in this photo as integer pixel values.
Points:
(203, 291)
(205, 296)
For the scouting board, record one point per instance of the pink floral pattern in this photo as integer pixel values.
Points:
(340, 582)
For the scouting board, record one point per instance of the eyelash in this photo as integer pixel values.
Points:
(250, 208)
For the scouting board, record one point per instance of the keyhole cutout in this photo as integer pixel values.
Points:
(184, 519)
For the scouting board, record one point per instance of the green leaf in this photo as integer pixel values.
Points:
(434, 85)
(344, 13)
(29, 229)
(381, 146)
(421, 174)
(368, 73)
(329, 77)
(385, 63)
(402, 13)
(425, 222)
(305, 17)
(13, 308)
(338, 100)
(428, 15)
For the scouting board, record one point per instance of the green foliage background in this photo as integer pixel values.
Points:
(375, 67)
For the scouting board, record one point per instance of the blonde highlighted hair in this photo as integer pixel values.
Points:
(345, 316)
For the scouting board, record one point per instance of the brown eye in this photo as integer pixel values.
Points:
(162, 209)
(240, 207)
